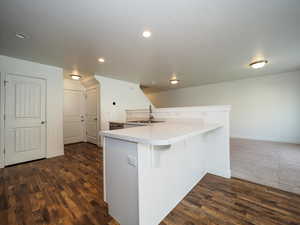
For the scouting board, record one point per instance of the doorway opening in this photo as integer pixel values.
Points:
(81, 110)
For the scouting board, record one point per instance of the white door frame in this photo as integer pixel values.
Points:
(87, 87)
(97, 87)
(98, 114)
(2, 97)
(2, 113)
(83, 112)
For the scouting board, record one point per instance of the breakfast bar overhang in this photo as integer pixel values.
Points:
(149, 169)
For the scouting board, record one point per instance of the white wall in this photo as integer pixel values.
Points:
(264, 108)
(126, 95)
(73, 85)
(54, 101)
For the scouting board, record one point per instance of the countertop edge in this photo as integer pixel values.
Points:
(158, 141)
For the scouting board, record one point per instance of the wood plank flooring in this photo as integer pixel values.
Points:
(63, 190)
(217, 200)
(68, 190)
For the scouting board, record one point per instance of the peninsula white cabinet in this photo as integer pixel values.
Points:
(149, 169)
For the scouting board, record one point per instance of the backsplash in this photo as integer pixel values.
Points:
(182, 113)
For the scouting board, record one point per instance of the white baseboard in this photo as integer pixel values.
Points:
(289, 141)
(225, 174)
(54, 154)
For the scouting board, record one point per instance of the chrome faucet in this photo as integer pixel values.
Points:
(151, 117)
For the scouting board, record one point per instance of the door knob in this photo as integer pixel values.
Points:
(95, 119)
(43, 122)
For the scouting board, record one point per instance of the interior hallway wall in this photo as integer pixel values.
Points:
(73, 85)
(125, 95)
(263, 108)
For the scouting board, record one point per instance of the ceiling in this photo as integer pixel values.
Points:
(200, 41)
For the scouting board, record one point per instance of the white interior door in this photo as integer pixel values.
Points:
(91, 115)
(74, 129)
(25, 113)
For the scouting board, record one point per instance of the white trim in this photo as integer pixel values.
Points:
(283, 140)
(91, 82)
(2, 96)
(104, 170)
(226, 173)
(98, 115)
(53, 154)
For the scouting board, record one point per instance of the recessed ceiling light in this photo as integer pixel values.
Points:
(147, 33)
(101, 60)
(75, 77)
(174, 81)
(258, 64)
(21, 36)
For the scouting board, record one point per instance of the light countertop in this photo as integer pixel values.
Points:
(164, 133)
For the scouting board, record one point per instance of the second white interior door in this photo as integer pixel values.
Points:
(91, 115)
(74, 124)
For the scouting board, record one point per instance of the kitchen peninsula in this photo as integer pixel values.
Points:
(149, 169)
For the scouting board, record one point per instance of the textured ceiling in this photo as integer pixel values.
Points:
(200, 41)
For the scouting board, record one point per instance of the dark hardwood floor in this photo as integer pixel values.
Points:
(62, 190)
(216, 200)
(68, 190)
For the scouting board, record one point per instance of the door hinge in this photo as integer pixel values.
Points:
(5, 82)
(4, 116)
(4, 151)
